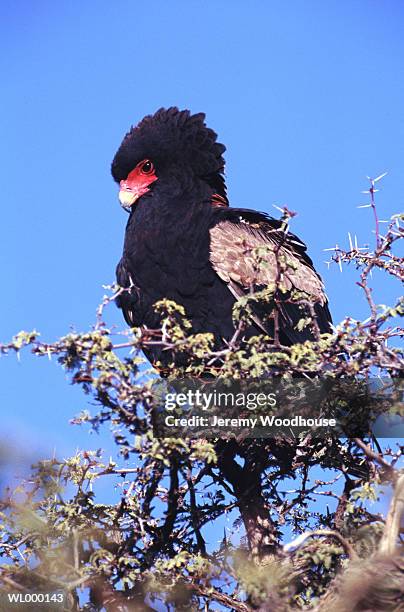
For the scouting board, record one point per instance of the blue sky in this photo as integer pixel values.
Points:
(308, 97)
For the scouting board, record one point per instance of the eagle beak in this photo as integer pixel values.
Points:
(134, 187)
(127, 198)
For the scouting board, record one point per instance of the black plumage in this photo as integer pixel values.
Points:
(183, 242)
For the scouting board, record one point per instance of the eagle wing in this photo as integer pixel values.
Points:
(250, 251)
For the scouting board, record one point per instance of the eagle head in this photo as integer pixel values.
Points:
(165, 144)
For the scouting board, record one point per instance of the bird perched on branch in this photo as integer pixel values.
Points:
(185, 243)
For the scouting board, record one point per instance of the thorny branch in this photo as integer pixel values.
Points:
(154, 547)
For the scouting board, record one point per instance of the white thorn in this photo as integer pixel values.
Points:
(378, 178)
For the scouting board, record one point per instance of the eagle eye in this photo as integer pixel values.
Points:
(146, 166)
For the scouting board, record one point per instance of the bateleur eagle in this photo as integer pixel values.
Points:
(184, 242)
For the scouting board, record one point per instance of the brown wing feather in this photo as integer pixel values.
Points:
(233, 256)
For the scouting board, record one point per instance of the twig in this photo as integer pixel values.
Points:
(369, 452)
(327, 533)
(388, 542)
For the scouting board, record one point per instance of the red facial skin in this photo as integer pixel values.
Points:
(137, 183)
(140, 178)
